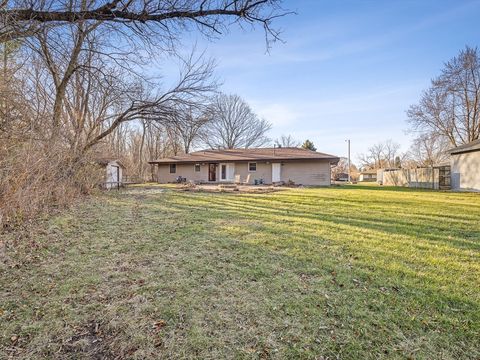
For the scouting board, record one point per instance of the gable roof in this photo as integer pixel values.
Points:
(471, 146)
(106, 161)
(257, 154)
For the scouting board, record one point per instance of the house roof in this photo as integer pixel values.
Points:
(369, 172)
(257, 154)
(106, 161)
(471, 146)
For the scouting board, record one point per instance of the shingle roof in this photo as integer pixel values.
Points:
(471, 146)
(258, 154)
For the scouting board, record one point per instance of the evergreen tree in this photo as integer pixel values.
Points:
(309, 145)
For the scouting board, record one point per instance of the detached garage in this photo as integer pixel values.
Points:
(466, 166)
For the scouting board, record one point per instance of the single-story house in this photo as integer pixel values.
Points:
(465, 166)
(113, 173)
(368, 175)
(251, 166)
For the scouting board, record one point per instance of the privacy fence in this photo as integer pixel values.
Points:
(425, 178)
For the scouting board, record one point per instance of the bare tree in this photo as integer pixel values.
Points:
(391, 153)
(189, 125)
(287, 141)
(451, 106)
(80, 89)
(233, 124)
(373, 159)
(429, 150)
(160, 19)
(381, 155)
(342, 168)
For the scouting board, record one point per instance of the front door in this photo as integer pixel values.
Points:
(212, 172)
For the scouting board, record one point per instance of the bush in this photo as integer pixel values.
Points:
(35, 179)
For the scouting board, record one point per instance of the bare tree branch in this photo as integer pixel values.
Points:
(234, 124)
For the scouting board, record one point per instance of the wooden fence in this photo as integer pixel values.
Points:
(424, 178)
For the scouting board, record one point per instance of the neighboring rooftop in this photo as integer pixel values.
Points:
(257, 154)
(471, 146)
(369, 172)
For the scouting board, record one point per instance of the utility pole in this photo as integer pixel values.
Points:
(349, 177)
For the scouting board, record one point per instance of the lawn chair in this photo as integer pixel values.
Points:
(247, 180)
(238, 180)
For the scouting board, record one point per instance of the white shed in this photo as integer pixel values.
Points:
(113, 173)
(465, 166)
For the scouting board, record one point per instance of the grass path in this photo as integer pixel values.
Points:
(348, 273)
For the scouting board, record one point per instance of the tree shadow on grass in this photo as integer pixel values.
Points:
(435, 231)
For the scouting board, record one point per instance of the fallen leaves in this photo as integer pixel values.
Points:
(14, 340)
(158, 325)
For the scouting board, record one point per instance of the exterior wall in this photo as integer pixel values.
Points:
(264, 172)
(301, 172)
(184, 170)
(306, 172)
(466, 171)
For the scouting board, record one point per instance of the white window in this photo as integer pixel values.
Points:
(197, 167)
(223, 171)
(252, 167)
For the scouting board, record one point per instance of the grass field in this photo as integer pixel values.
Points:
(347, 272)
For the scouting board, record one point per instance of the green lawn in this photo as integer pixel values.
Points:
(347, 272)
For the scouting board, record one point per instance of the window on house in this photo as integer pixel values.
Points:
(223, 169)
(173, 168)
(252, 166)
(197, 167)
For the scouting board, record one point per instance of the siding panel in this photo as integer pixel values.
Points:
(466, 171)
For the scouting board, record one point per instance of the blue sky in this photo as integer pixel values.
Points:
(347, 69)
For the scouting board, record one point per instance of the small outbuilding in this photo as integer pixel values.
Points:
(113, 173)
(465, 166)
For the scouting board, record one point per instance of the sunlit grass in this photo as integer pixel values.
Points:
(346, 272)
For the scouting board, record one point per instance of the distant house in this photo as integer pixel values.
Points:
(113, 173)
(465, 166)
(252, 166)
(368, 175)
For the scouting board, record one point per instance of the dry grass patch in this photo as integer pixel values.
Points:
(349, 272)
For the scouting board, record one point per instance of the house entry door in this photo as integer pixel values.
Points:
(212, 172)
(276, 167)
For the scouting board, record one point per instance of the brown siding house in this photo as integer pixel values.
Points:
(261, 165)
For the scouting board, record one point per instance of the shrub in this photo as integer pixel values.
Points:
(35, 179)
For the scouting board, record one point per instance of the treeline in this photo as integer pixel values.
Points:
(73, 88)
